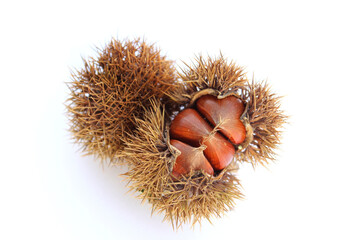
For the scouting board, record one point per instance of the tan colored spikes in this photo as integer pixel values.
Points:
(110, 91)
(266, 120)
(217, 74)
(122, 103)
(188, 200)
(263, 115)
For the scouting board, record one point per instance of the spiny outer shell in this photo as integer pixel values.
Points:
(263, 117)
(110, 92)
(188, 199)
(266, 120)
(215, 74)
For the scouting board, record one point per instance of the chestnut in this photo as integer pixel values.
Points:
(190, 159)
(219, 151)
(226, 112)
(189, 127)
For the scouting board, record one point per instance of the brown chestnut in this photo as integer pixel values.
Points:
(226, 111)
(189, 127)
(190, 159)
(219, 151)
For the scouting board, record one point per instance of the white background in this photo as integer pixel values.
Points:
(309, 51)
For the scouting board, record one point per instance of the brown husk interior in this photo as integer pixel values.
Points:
(110, 91)
(185, 200)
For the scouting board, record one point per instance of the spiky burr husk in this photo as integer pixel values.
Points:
(218, 75)
(188, 199)
(263, 117)
(265, 121)
(151, 157)
(111, 91)
(122, 104)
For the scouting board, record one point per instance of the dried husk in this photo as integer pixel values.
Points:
(110, 91)
(266, 119)
(263, 118)
(121, 108)
(208, 76)
(151, 157)
(185, 200)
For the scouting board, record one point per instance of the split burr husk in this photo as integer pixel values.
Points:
(151, 157)
(263, 117)
(188, 199)
(110, 91)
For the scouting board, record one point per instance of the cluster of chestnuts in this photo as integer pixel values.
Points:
(214, 123)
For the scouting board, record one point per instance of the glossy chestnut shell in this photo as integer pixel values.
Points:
(191, 158)
(226, 113)
(213, 123)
